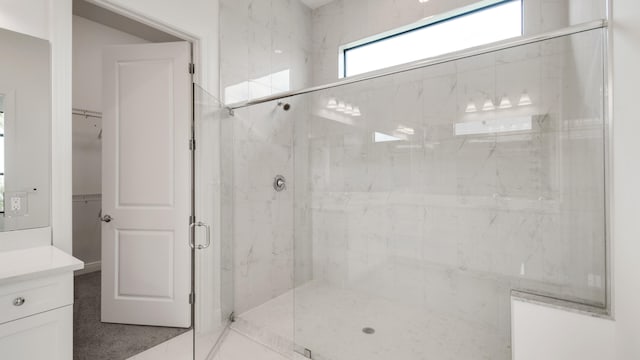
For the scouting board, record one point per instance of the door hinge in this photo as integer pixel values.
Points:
(192, 144)
(192, 298)
(192, 68)
(192, 219)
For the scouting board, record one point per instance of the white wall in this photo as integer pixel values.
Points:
(626, 177)
(87, 229)
(51, 20)
(538, 336)
(28, 17)
(625, 207)
(60, 27)
(24, 84)
(89, 38)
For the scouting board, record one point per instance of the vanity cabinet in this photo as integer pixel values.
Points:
(36, 304)
(48, 335)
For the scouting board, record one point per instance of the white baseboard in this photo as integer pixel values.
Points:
(89, 268)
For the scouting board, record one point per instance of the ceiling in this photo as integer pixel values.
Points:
(314, 4)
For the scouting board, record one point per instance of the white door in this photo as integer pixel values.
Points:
(146, 185)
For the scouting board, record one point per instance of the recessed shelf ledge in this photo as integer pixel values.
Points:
(560, 304)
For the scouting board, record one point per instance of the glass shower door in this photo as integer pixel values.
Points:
(212, 255)
(432, 194)
(264, 190)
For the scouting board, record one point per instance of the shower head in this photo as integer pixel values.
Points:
(285, 106)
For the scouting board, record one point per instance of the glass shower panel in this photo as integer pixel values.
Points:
(213, 264)
(263, 206)
(423, 199)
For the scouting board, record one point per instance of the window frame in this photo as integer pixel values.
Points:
(424, 23)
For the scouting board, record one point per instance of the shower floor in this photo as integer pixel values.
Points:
(466, 319)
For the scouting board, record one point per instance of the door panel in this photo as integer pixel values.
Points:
(143, 179)
(149, 279)
(146, 185)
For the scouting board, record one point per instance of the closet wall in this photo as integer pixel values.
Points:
(89, 38)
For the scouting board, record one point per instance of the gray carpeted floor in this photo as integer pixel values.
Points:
(93, 340)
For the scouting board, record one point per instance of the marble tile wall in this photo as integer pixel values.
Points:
(266, 49)
(447, 218)
(526, 205)
(511, 205)
(267, 260)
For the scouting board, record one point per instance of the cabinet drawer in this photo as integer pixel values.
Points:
(44, 336)
(25, 298)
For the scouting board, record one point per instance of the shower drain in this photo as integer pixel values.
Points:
(368, 330)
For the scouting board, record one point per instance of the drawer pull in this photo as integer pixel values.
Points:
(19, 301)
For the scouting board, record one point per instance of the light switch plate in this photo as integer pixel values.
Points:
(15, 203)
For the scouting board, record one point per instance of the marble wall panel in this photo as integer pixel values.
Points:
(265, 47)
(526, 205)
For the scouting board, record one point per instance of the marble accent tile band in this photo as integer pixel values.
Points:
(503, 45)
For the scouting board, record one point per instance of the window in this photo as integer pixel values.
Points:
(485, 23)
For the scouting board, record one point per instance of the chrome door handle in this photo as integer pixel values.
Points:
(107, 218)
(193, 237)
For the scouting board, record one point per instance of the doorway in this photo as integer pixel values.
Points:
(131, 188)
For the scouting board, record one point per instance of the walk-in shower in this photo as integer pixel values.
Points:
(402, 230)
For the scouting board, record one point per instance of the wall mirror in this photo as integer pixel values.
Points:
(25, 132)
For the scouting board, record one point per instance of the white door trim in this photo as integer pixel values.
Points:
(195, 40)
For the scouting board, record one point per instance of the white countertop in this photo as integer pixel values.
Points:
(24, 264)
